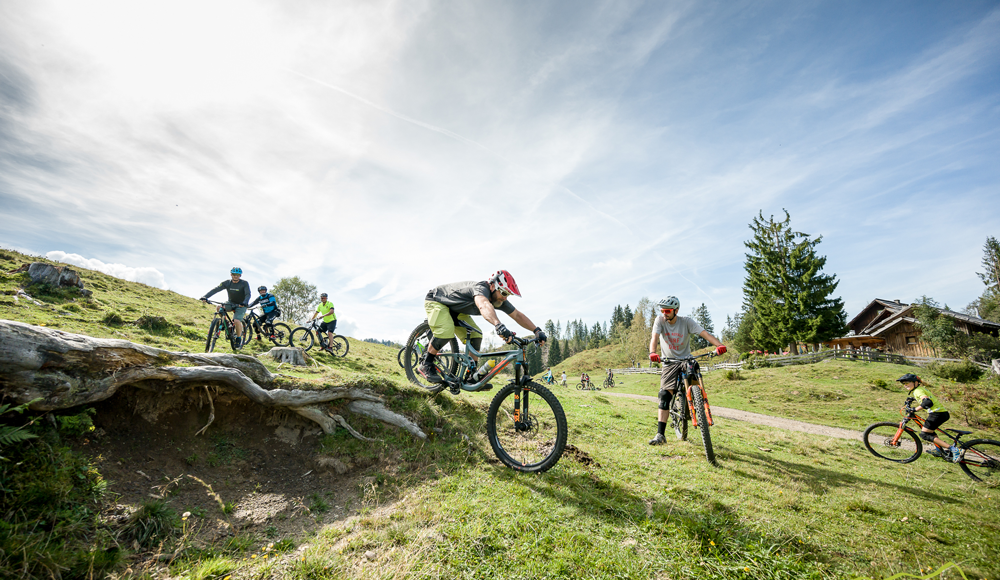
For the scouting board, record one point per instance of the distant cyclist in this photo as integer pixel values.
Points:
(674, 334)
(239, 295)
(548, 375)
(936, 416)
(329, 323)
(268, 304)
(585, 379)
(462, 300)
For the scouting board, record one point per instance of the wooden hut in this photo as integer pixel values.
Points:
(891, 326)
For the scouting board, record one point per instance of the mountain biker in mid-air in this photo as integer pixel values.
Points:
(674, 333)
(238, 293)
(329, 323)
(936, 416)
(460, 301)
(268, 304)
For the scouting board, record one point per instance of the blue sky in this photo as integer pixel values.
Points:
(600, 151)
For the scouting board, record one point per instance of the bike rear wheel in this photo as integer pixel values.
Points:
(879, 438)
(698, 402)
(301, 337)
(981, 460)
(338, 346)
(526, 427)
(281, 334)
(212, 335)
(416, 345)
(679, 416)
(399, 358)
(579, 386)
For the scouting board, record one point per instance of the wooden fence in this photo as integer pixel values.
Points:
(815, 357)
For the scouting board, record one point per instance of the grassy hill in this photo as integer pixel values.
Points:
(780, 505)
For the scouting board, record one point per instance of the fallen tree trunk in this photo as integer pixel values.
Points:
(61, 370)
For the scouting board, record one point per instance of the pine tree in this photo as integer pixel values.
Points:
(784, 287)
(555, 353)
(596, 337)
(627, 316)
(703, 318)
(534, 360)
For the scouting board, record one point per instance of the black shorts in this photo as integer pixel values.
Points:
(935, 420)
(328, 326)
(268, 316)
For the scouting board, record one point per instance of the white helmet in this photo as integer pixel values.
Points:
(669, 302)
(505, 282)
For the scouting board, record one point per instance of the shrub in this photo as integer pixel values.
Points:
(979, 404)
(733, 375)
(878, 384)
(151, 524)
(113, 319)
(962, 372)
(157, 324)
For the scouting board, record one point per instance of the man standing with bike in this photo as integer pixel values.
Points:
(674, 333)
(239, 295)
(329, 317)
(462, 300)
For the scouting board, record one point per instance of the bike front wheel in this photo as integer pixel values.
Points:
(679, 416)
(698, 402)
(416, 345)
(212, 335)
(881, 440)
(301, 337)
(399, 358)
(981, 460)
(526, 427)
(579, 386)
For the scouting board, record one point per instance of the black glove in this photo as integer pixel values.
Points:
(540, 335)
(502, 332)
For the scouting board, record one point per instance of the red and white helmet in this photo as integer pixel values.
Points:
(505, 282)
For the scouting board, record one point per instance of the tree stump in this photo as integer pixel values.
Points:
(290, 355)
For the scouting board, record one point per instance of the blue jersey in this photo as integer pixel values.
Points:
(267, 301)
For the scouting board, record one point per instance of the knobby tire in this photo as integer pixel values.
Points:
(281, 335)
(411, 359)
(878, 440)
(339, 346)
(210, 339)
(301, 337)
(981, 460)
(698, 402)
(536, 442)
(679, 416)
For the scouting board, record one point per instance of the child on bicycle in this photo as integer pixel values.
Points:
(937, 415)
(548, 375)
(585, 379)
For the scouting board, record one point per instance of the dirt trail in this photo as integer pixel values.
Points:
(758, 419)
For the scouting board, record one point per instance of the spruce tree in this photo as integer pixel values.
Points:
(790, 297)
(627, 316)
(702, 317)
(555, 353)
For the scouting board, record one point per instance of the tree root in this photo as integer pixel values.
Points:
(65, 370)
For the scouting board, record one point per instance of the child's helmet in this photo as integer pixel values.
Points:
(908, 378)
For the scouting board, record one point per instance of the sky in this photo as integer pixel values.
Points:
(600, 151)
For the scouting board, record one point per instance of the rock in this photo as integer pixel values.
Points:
(370, 554)
(285, 354)
(996, 366)
(42, 273)
(327, 464)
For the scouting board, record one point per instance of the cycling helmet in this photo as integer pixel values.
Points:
(324, 295)
(505, 282)
(909, 378)
(262, 288)
(669, 302)
(236, 270)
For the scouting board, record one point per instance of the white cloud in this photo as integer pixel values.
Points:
(145, 275)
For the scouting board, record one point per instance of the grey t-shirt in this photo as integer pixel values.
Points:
(675, 339)
(460, 297)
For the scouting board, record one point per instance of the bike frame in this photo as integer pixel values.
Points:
(467, 364)
(230, 323)
(690, 366)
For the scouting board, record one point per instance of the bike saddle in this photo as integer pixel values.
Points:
(960, 432)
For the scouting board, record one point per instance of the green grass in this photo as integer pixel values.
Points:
(780, 505)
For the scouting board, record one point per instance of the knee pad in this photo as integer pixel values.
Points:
(476, 343)
(927, 436)
(665, 398)
(438, 343)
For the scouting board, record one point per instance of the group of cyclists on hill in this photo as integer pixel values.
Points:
(238, 294)
(459, 301)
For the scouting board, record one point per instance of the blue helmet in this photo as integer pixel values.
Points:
(236, 270)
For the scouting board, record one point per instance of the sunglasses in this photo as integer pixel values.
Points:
(503, 292)
(666, 310)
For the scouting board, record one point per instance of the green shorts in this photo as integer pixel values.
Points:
(442, 325)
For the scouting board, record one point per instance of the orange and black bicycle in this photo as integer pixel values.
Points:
(693, 404)
(980, 458)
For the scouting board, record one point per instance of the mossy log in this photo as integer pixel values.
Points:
(61, 370)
